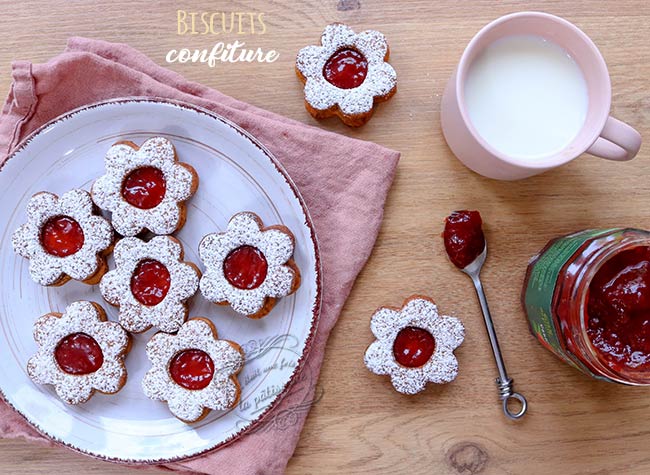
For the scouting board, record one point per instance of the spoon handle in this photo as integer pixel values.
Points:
(504, 383)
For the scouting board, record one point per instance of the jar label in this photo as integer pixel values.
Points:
(538, 296)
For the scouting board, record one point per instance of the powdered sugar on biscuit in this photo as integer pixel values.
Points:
(115, 286)
(122, 159)
(442, 367)
(47, 269)
(380, 80)
(79, 317)
(190, 404)
(275, 244)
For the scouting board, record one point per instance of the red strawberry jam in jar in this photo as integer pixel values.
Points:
(587, 299)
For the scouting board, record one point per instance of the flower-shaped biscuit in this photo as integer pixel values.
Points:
(414, 345)
(151, 283)
(347, 75)
(249, 266)
(64, 239)
(79, 352)
(193, 371)
(145, 188)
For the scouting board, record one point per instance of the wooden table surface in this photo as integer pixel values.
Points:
(575, 425)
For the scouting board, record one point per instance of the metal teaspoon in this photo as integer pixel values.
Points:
(504, 383)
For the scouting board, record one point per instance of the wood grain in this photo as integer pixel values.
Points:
(575, 425)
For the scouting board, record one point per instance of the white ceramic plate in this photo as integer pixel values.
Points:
(236, 173)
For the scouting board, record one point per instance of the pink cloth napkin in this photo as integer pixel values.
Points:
(344, 182)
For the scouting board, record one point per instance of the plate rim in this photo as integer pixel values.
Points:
(316, 308)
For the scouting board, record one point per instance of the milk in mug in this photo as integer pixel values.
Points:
(526, 96)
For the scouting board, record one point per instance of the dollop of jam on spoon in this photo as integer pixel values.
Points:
(464, 239)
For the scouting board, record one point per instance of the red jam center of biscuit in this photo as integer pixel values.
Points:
(245, 267)
(144, 187)
(346, 69)
(150, 282)
(463, 236)
(62, 236)
(619, 310)
(192, 369)
(79, 354)
(413, 347)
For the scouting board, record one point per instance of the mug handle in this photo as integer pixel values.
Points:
(618, 141)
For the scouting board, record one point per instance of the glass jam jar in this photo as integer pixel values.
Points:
(587, 299)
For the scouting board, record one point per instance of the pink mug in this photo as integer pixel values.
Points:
(601, 135)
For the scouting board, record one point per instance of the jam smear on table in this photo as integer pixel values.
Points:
(618, 310)
(79, 354)
(61, 236)
(346, 69)
(413, 347)
(463, 236)
(144, 187)
(192, 369)
(245, 267)
(150, 282)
